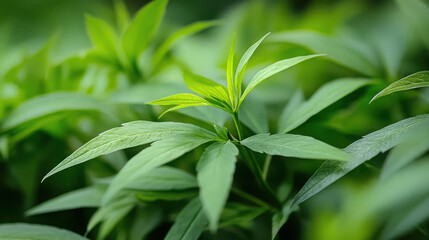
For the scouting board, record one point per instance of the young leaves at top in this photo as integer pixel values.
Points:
(415, 80)
(215, 172)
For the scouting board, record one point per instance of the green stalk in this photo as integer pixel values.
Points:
(251, 198)
(266, 166)
(237, 125)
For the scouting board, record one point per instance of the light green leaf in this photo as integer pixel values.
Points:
(417, 12)
(81, 198)
(190, 223)
(362, 150)
(15, 231)
(181, 99)
(206, 87)
(230, 74)
(241, 68)
(254, 115)
(159, 153)
(273, 69)
(121, 14)
(129, 135)
(324, 96)
(177, 36)
(280, 218)
(335, 49)
(412, 147)
(163, 179)
(102, 36)
(215, 172)
(51, 103)
(294, 102)
(289, 145)
(415, 80)
(141, 30)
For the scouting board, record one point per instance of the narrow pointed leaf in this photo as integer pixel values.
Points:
(121, 14)
(362, 150)
(325, 96)
(129, 135)
(141, 30)
(230, 74)
(215, 172)
(335, 49)
(241, 68)
(415, 80)
(206, 87)
(15, 231)
(159, 153)
(273, 69)
(179, 99)
(190, 223)
(102, 36)
(81, 198)
(289, 145)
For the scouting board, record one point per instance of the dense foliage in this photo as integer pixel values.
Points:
(273, 121)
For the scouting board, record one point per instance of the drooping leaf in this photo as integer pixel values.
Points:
(190, 222)
(411, 147)
(230, 74)
(254, 115)
(51, 103)
(12, 231)
(280, 218)
(337, 50)
(417, 12)
(81, 198)
(273, 69)
(241, 68)
(206, 87)
(177, 36)
(362, 150)
(129, 135)
(102, 36)
(325, 96)
(215, 172)
(163, 179)
(159, 153)
(290, 145)
(141, 30)
(415, 80)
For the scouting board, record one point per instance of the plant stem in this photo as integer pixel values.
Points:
(237, 125)
(251, 198)
(266, 166)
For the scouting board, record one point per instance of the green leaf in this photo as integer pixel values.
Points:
(146, 219)
(15, 231)
(362, 150)
(181, 99)
(294, 102)
(177, 36)
(159, 153)
(163, 179)
(51, 103)
(141, 30)
(81, 198)
(337, 50)
(129, 135)
(150, 196)
(241, 68)
(254, 115)
(415, 145)
(415, 80)
(273, 69)
(417, 12)
(102, 36)
(221, 131)
(289, 145)
(280, 218)
(237, 213)
(215, 172)
(189, 224)
(208, 114)
(324, 96)
(230, 74)
(121, 14)
(206, 87)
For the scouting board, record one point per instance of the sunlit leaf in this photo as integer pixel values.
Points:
(206, 87)
(189, 224)
(215, 172)
(230, 74)
(289, 145)
(129, 135)
(324, 96)
(362, 150)
(12, 231)
(273, 69)
(159, 153)
(81, 198)
(415, 80)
